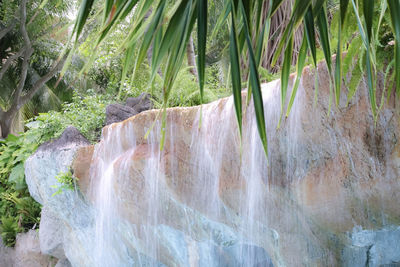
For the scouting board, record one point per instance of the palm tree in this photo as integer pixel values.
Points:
(169, 29)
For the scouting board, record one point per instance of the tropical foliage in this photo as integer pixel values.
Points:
(19, 212)
(169, 27)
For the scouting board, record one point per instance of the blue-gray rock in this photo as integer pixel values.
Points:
(72, 215)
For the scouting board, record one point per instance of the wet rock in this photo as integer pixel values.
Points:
(373, 247)
(117, 112)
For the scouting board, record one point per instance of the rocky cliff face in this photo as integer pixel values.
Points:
(329, 194)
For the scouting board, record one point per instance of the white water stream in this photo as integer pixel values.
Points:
(198, 202)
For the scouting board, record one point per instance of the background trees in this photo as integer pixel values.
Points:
(29, 51)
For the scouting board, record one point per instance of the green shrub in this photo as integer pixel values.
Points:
(9, 229)
(86, 113)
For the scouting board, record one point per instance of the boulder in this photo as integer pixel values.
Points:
(51, 235)
(134, 105)
(57, 155)
(117, 112)
(67, 219)
(140, 103)
(63, 263)
(27, 251)
(70, 137)
(7, 255)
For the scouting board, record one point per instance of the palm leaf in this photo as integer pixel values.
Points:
(287, 62)
(310, 34)
(201, 42)
(338, 68)
(221, 19)
(365, 37)
(394, 6)
(83, 14)
(173, 33)
(235, 73)
(368, 6)
(322, 24)
(300, 65)
(255, 84)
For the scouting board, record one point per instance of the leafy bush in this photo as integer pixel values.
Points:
(86, 113)
(19, 210)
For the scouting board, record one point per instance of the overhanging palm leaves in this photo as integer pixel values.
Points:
(169, 28)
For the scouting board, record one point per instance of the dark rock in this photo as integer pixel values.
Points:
(117, 112)
(140, 103)
(71, 135)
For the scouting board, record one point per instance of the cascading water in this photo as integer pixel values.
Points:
(151, 211)
(327, 197)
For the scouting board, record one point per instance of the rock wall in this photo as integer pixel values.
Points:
(329, 195)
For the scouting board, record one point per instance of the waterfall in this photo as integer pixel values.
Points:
(205, 199)
(327, 196)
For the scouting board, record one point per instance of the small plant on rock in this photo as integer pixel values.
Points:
(66, 180)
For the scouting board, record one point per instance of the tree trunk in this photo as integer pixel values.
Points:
(6, 119)
(191, 57)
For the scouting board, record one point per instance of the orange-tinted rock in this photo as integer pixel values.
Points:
(81, 167)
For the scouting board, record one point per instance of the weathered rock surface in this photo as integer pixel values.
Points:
(329, 197)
